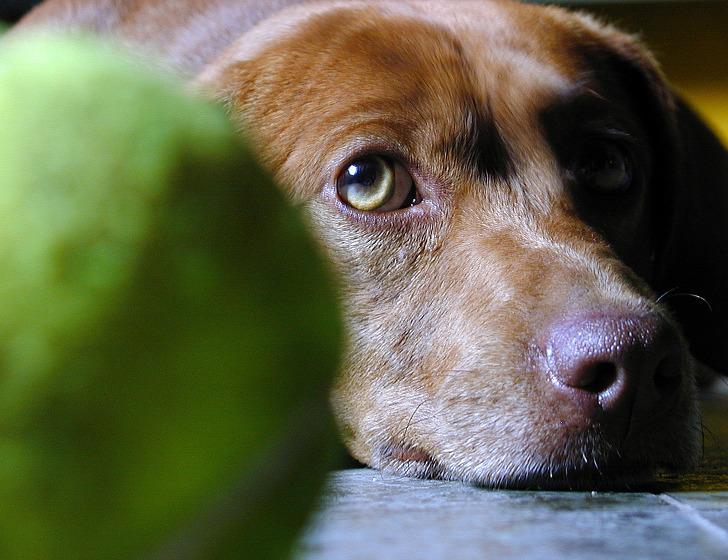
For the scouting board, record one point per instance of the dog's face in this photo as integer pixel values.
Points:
(484, 178)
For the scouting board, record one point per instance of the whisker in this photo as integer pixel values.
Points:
(710, 433)
(673, 293)
(409, 422)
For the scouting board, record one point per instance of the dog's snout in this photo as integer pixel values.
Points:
(613, 366)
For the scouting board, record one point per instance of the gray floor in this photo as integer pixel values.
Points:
(366, 515)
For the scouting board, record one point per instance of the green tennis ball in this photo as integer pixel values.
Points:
(167, 329)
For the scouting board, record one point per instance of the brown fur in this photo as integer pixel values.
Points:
(465, 310)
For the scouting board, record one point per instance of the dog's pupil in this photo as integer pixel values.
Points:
(363, 173)
(607, 168)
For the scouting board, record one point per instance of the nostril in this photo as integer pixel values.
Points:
(597, 378)
(612, 361)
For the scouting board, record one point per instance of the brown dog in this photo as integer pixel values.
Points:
(504, 191)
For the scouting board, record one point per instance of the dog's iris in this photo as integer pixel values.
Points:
(605, 167)
(376, 184)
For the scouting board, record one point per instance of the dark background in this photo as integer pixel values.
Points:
(11, 10)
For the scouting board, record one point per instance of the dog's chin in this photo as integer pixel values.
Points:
(591, 464)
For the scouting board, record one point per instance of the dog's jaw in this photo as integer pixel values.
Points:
(448, 302)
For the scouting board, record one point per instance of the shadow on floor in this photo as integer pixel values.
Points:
(712, 473)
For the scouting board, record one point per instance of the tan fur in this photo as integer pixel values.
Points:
(449, 303)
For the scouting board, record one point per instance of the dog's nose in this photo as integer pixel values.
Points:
(608, 362)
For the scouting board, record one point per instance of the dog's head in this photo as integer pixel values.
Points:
(494, 184)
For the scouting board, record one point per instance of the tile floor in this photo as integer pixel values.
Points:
(366, 515)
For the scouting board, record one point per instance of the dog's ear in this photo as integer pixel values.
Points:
(694, 257)
(688, 199)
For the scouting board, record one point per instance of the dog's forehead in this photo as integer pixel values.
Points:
(497, 40)
(424, 77)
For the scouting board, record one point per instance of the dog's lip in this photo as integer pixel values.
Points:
(408, 460)
(606, 468)
(605, 473)
(596, 458)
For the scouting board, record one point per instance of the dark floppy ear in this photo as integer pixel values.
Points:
(694, 256)
(688, 200)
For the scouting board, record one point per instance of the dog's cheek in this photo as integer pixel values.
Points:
(434, 378)
(377, 279)
(428, 383)
(428, 377)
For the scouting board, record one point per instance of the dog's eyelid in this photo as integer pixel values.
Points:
(620, 136)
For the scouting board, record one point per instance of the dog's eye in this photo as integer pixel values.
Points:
(605, 167)
(376, 184)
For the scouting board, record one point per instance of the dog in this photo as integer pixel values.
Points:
(528, 226)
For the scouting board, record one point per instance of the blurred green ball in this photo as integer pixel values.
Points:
(167, 329)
